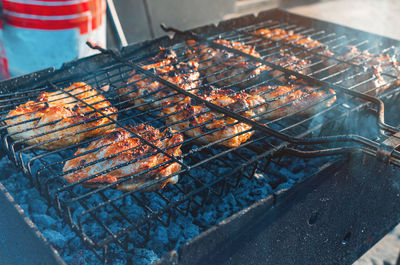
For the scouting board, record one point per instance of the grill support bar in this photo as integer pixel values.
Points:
(377, 102)
(261, 127)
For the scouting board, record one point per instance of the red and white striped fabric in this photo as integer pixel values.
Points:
(43, 33)
(4, 73)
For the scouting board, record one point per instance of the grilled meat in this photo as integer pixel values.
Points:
(288, 36)
(223, 68)
(124, 154)
(298, 99)
(61, 119)
(373, 65)
(146, 92)
(216, 126)
(290, 62)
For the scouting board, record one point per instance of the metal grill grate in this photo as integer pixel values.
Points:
(86, 208)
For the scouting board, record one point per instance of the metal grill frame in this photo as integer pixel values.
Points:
(289, 150)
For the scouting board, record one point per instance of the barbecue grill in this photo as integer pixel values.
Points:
(351, 163)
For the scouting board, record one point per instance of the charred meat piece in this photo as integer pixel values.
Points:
(122, 154)
(294, 98)
(61, 118)
(372, 65)
(223, 68)
(145, 92)
(290, 62)
(212, 126)
(288, 36)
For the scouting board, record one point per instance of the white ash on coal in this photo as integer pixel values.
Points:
(142, 249)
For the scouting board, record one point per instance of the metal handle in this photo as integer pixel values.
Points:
(116, 24)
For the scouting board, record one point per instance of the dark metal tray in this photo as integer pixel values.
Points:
(333, 217)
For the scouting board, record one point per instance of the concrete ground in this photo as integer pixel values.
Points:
(385, 252)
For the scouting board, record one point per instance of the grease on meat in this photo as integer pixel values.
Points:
(145, 92)
(288, 36)
(284, 100)
(290, 62)
(223, 68)
(187, 114)
(372, 65)
(120, 148)
(52, 112)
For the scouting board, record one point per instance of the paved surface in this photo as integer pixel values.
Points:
(385, 252)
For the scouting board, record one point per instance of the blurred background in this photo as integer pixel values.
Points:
(67, 25)
(140, 19)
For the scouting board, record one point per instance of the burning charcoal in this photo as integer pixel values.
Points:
(7, 168)
(78, 212)
(298, 167)
(224, 209)
(275, 182)
(223, 170)
(103, 215)
(156, 203)
(230, 199)
(43, 220)
(143, 256)
(288, 174)
(159, 239)
(24, 207)
(133, 211)
(117, 261)
(258, 193)
(55, 238)
(190, 231)
(95, 229)
(259, 175)
(174, 231)
(85, 257)
(65, 230)
(285, 186)
(38, 206)
(206, 219)
(297, 176)
(74, 243)
(52, 212)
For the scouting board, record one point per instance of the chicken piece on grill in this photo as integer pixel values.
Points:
(288, 36)
(372, 66)
(223, 68)
(145, 92)
(289, 62)
(187, 114)
(59, 117)
(123, 149)
(298, 99)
